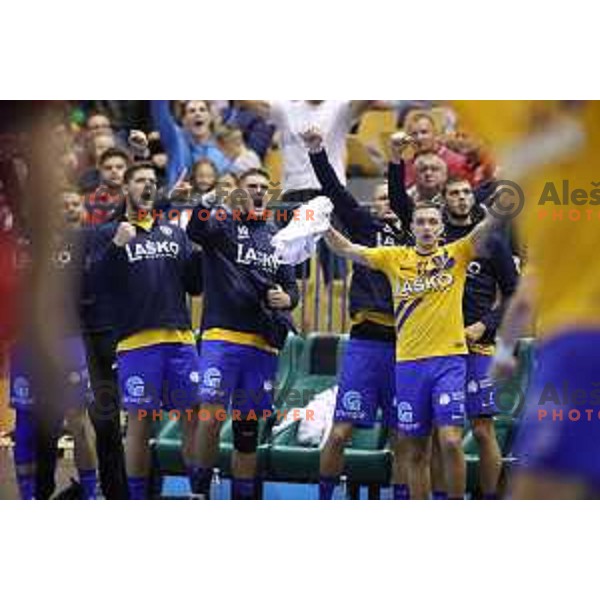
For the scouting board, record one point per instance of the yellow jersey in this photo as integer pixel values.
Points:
(551, 149)
(427, 290)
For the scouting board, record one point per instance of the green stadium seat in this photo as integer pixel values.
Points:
(287, 366)
(367, 460)
(316, 370)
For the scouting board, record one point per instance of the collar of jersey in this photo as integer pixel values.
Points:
(146, 223)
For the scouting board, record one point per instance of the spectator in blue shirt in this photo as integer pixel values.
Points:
(190, 142)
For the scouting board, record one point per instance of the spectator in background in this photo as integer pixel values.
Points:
(90, 179)
(107, 199)
(231, 142)
(334, 118)
(479, 159)
(258, 133)
(202, 181)
(97, 123)
(185, 195)
(191, 141)
(421, 127)
(431, 175)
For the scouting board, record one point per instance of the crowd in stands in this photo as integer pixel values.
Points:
(197, 145)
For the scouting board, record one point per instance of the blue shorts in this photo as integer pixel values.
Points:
(430, 391)
(76, 392)
(366, 383)
(481, 401)
(565, 441)
(237, 376)
(159, 376)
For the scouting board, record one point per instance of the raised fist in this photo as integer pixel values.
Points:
(313, 138)
(399, 141)
(125, 233)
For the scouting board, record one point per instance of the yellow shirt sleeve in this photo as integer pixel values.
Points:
(463, 250)
(383, 257)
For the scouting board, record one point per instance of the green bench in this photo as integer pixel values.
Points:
(308, 366)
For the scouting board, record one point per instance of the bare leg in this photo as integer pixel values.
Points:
(453, 459)
(419, 458)
(332, 454)
(490, 457)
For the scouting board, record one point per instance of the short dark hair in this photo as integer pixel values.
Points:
(452, 180)
(254, 171)
(115, 153)
(139, 166)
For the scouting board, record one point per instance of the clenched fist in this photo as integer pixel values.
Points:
(399, 142)
(313, 138)
(125, 233)
(277, 298)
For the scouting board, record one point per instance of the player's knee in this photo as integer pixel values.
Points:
(245, 436)
(451, 443)
(418, 453)
(339, 437)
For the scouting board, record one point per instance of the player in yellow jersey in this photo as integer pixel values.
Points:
(427, 284)
(550, 149)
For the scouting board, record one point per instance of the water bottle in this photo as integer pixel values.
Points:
(341, 490)
(217, 488)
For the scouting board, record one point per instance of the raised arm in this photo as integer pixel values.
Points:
(344, 247)
(400, 202)
(171, 137)
(346, 207)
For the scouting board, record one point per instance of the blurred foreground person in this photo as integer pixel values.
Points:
(71, 406)
(548, 148)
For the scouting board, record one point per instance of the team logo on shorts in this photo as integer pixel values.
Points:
(166, 230)
(212, 378)
(135, 386)
(445, 399)
(21, 388)
(195, 377)
(351, 401)
(472, 387)
(268, 386)
(405, 412)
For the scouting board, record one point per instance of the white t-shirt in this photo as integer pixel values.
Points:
(292, 117)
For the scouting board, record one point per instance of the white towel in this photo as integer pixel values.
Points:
(315, 431)
(297, 241)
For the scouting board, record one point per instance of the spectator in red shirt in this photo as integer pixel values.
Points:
(102, 204)
(421, 128)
